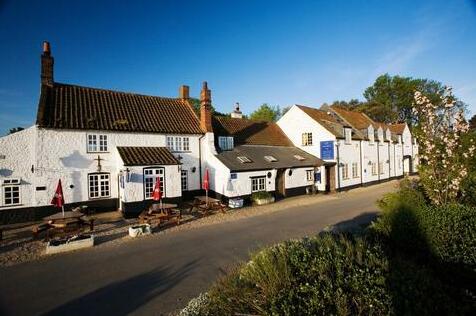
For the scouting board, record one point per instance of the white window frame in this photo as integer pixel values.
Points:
(307, 139)
(345, 171)
(97, 143)
(99, 185)
(226, 142)
(355, 170)
(11, 186)
(310, 175)
(150, 178)
(244, 159)
(299, 157)
(374, 168)
(178, 143)
(184, 180)
(270, 158)
(258, 184)
(381, 168)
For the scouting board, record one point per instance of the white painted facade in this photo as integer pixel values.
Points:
(377, 157)
(55, 154)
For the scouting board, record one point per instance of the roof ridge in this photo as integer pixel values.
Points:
(115, 91)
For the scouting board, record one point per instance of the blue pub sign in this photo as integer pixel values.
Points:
(327, 150)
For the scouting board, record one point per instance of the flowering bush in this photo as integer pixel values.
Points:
(445, 158)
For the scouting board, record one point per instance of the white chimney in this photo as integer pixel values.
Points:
(237, 113)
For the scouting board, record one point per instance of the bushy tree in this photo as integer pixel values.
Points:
(266, 112)
(390, 98)
(441, 126)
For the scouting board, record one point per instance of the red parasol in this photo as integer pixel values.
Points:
(58, 198)
(157, 194)
(206, 183)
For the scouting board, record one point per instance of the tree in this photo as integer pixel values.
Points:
(266, 113)
(196, 106)
(15, 129)
(446, 159)
(352, 105)
(472, 123)
(391, 98)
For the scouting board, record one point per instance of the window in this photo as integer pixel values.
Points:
(348, 135)
(11, 191)
(150, 178)
(225, 142)
(355, 170)
(371, 135)
(399, 139)
(299, 157)
(310, 175)
(258, 184)
(233, 176)
(307, 139)
(99, 185)
(243, 159)
(380, 168)
(374, 168)
(97, 143)
(345, 171)
(184, 180)
(270, 159)
(178, 143)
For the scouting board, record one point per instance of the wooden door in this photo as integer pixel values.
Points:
(280, 185)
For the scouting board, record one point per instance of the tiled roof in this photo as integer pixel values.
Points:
(66, 106)
(397, 128)
(284, 158)
(146, 156)
(250, 132)
(356, 119)
(329, 122)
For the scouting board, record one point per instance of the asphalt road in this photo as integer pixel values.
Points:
(155, 276)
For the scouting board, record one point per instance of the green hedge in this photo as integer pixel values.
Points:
(328, 275)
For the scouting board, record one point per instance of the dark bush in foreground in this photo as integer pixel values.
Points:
(328, 275)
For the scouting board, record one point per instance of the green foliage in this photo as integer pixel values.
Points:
(266, 113)
(390, 98)
(196, 106)
(444, 235)
(472, 123)
(261, 195)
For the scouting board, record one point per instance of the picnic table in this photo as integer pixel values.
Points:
(161, 214)
(205, 205)
(63, 224)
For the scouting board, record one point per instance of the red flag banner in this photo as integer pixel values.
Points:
(206, 181)
(58, 198)
(157, 194)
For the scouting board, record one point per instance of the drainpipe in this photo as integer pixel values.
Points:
(338, 166)
(361, 164)
(389, 164)
(378, 161)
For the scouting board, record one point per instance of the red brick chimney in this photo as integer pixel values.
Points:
(47, 63)
(184, 92)
(205, 109)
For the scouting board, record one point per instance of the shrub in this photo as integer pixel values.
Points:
(260, 195)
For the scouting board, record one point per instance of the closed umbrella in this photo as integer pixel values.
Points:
(58, 198)
(157, 194)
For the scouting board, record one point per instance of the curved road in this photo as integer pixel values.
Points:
(155, 276)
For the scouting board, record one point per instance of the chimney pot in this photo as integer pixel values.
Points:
(184, 92)
(46, 48)
(237, 113)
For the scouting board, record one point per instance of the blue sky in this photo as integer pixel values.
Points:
(279, 52)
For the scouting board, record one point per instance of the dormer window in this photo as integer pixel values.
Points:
(399, 139)
(371, 134)
(380, 135)
(243, 159)
(388, 135)
(348, 135)
(299, 157)
(226, 142)
(270, 159)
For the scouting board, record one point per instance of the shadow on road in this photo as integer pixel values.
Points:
(123, 297)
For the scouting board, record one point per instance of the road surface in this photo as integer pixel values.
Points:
(157, 275)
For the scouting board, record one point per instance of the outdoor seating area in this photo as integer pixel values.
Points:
(63, 225)
(161, 214)
(204, 206)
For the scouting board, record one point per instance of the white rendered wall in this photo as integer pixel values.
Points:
(63, 154)
(295, 122)
(348, 154)
(18, 149)
(298, 178)
(369, 154)
(385, 158)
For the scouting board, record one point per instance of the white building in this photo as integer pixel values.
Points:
(107, 147)
(364, 151)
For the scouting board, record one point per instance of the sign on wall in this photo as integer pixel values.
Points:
(327, 150)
